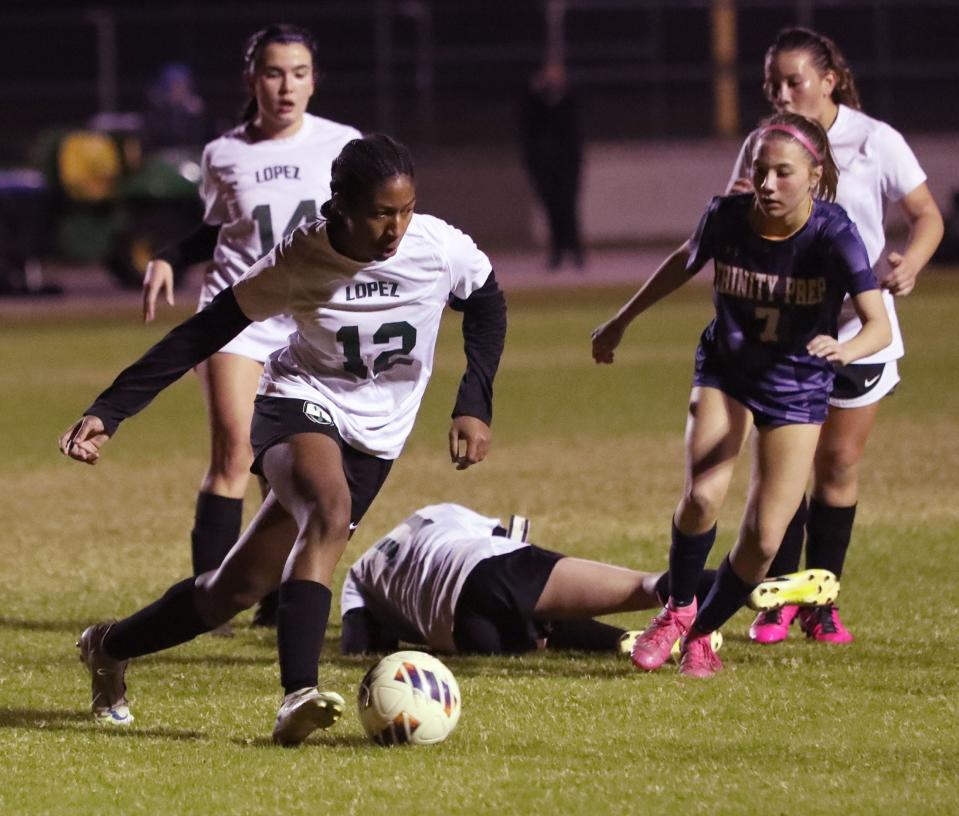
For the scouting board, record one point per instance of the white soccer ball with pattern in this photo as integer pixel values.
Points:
(409, 698)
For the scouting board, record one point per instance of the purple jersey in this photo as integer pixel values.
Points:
(772, 297)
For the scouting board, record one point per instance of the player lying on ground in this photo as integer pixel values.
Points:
(457, 581)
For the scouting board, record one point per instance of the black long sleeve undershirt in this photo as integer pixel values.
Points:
(194, 248)
(484, 336)
(188, 344)
(484, 332)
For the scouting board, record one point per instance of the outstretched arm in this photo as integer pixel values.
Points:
(670, 275)
(188, 344)
(484, 336)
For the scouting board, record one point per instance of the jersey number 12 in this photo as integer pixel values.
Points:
(349, 337)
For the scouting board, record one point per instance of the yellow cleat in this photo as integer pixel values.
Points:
(813, 587)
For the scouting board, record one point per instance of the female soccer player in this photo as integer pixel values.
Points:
(366, 288)
(805, 73)
(458, 581)
(259, 182)
(784, 258)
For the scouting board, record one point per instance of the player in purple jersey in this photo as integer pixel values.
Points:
(806, 73)
(783, 259)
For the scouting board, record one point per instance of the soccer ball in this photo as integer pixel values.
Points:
(409, 698)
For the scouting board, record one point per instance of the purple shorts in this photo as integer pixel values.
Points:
(771, 407)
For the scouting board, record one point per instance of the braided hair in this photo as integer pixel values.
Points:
(825, 55)
(364, 164)
(282, 33)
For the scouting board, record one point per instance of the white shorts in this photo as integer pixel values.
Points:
(860, 385)
(258, 340)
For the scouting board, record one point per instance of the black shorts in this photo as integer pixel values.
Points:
(278, 418)
(861, 384)
(494, 611)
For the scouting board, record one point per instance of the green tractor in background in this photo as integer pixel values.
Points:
(94, 198)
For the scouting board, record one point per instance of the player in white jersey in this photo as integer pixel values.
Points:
(806, 73)
(366, 287)
(458, 581)
(259, 182)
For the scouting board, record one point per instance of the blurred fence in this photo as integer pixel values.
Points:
(449, 72)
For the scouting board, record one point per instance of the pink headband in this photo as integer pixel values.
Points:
(798, 135)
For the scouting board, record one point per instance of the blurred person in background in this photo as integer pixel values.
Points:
(553, 154)
(806, 73)
(260, 181)
(175, 116)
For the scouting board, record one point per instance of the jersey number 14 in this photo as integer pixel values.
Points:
(305, 211)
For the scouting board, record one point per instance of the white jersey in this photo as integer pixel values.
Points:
(257, 192)
(875, 166)
(413, 576)
(365, 331)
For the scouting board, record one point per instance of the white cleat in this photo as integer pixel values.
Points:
(304, 711)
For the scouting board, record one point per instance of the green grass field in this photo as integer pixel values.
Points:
(594, 456)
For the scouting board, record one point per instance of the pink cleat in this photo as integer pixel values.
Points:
(772, 626)
(652, 647)
(697, 658)
(822, 623)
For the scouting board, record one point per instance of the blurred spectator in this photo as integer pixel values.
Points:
(175, 114)
(552, 149)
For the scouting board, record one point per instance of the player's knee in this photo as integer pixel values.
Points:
(231, 458)
(700, 507)
(838, 465)
(329, 520)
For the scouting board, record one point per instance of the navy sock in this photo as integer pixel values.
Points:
(169, 621)
(705, 584)
(300, 629)
(830, 530)
(728, 595)
(216, 528)
(687, 557)
(585, 635)
(787, 558)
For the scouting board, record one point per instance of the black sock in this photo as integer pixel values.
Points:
(727, 597)
(169, 621)
(216, 528)
(787, 558)
(300, 629)
(687, 557)
(830, 529)
(585, 635)
(705, 584)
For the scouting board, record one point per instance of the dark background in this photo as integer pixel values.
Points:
(642, 69)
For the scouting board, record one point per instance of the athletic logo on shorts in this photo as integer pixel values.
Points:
(317, 413)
